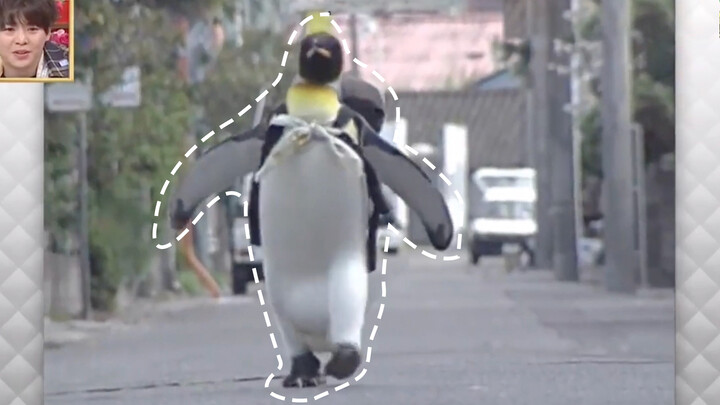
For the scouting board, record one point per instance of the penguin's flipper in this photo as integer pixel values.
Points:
(411, 184)
(216, 171)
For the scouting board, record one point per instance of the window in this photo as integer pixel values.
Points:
(503, 181)
(507, 210)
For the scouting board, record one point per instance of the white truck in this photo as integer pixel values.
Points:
(502, 212)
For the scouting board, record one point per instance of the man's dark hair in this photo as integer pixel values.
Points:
(40, 13)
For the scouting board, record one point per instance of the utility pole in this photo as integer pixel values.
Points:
(84, 214)
(617, 149)
(641, 204)
(529, 13)
(84, 217)
(538, 34)
(577, 103)
(560, 146)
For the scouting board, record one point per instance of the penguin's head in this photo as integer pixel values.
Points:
(321, 58)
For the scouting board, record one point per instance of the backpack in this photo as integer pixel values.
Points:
(380, 205)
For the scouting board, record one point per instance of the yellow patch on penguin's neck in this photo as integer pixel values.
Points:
(312, 102)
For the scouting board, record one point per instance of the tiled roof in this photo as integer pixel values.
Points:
(495, 120)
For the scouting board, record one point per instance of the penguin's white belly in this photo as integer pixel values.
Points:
(313, 216)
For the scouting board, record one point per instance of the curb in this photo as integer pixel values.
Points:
(58, 334)
(56, 340)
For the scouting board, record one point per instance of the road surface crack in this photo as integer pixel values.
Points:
(152, 386)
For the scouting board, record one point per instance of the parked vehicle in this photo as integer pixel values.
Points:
(242, 263)
(489, 177)
(502, 212)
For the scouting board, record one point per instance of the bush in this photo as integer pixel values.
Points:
(653, 88)
(130, 151)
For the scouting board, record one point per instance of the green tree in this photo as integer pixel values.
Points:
(653, 89)
(130, 151)
(241, 74)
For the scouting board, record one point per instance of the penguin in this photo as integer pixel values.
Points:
(313, 211)
(313, 161)
(237, 156)
(315, 95)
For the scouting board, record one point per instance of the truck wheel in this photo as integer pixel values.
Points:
(475, 251)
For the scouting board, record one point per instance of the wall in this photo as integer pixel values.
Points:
(62, 285)
(660, 186)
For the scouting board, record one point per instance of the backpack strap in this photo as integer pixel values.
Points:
(345, 117)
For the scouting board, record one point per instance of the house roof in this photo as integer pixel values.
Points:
(418, 55)
(495, 120)
(501, 79)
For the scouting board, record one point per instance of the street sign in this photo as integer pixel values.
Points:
(68, 97)
(127, 93)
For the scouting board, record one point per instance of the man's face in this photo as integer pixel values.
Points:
(21, 47)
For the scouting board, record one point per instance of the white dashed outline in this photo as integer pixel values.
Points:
(261, 299)
(275, 346)
(265, 93)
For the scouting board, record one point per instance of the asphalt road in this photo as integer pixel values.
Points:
(449, 334)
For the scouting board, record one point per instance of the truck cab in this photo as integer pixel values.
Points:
(502, 213)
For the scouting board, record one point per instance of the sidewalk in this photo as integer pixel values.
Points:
(61, 333)
(639, 326)
(596, 322)
(58, 334)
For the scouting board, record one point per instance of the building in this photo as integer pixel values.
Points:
(427, 51)
(444, 69)
(495, 119)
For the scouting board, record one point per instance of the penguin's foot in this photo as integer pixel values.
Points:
(304, 372)
(302, 382)
(344, 361)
